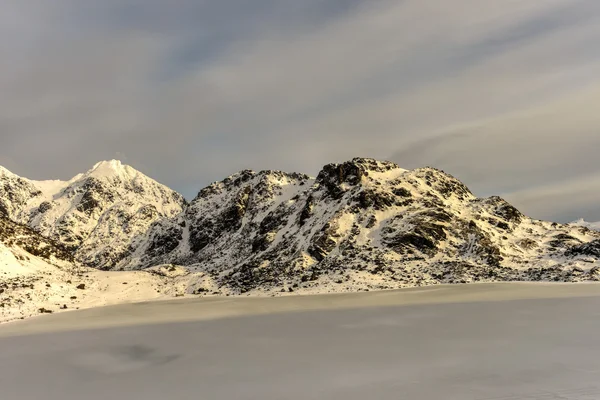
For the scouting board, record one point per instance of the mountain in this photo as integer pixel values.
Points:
(366, 224)
(99, 214)
(359, 225)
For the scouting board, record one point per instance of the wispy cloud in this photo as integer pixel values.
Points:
(572, 198)
(501, 94)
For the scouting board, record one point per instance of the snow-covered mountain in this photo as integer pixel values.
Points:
(99, 214)
(366, 224)
(359, 225)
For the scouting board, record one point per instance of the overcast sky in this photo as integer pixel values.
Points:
(503, 94)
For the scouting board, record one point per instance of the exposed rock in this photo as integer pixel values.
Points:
(586, 249)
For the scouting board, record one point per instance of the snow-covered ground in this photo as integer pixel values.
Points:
(31, 285)
(459, 342)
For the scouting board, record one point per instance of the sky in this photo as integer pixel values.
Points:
(504, 94)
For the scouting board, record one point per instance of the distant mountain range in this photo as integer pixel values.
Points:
(359, 225)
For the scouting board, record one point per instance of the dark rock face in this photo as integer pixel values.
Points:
(424, 237)
(201, 235)
(402, 192)
(13, 234)
(591, 249)
(500, 224)
(563, 240)
(15, 192)
(506, 211)
(164, 241)
(44, 207)
(307, 210)
(232, 217)
(207, 228)
(332, 176)
(323, 242)
(268, 229)
(378, 200)
(94, 195)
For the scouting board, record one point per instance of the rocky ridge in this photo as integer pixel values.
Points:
(359, 225)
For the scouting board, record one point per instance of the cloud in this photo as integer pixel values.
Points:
(523, 151)
(573, 198)
(500, 94)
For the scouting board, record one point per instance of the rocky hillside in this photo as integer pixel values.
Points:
(39, 276)
(26, 258)
(15, 193)
(14, 235)
(359, 225)
(368, 224)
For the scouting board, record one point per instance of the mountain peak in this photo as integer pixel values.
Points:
(371, 164)
(109, 164)
(110, 168)
(352, 172)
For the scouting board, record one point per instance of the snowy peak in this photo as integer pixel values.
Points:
(110, 164)
(115, 179)
(113, 168)
(99, 214)
(368, 173)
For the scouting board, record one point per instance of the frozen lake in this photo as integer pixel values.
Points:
(470, 342)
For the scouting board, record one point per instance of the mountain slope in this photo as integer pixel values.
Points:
(368, 224)
(15, 193)
(38, 275)
(359, 225)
